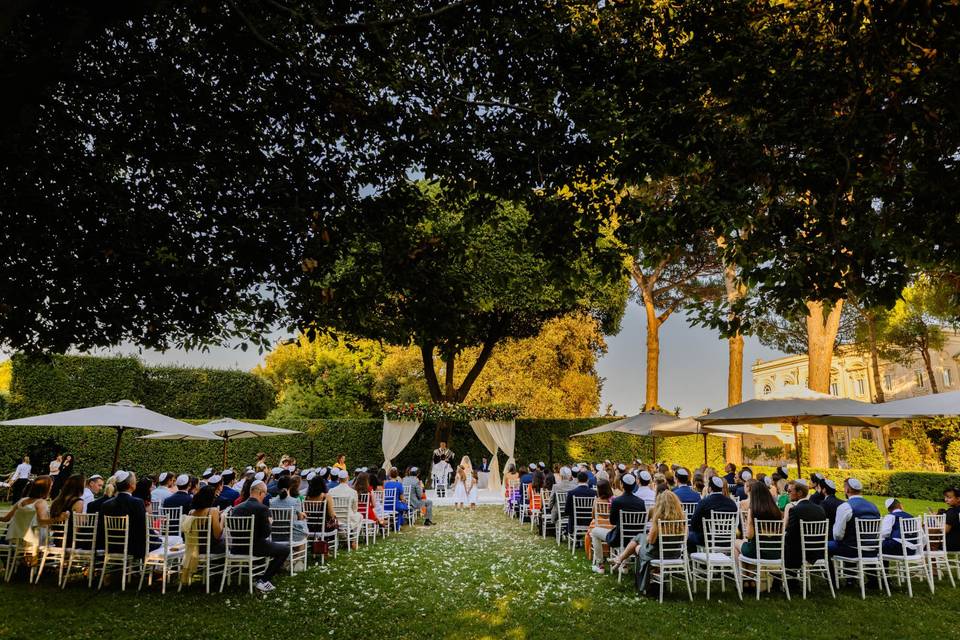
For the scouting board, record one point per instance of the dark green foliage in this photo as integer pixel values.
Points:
(59, 383)
(879, 482)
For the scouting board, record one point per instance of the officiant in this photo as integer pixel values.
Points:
(442, 463)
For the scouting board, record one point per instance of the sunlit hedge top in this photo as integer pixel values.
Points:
(449, 411)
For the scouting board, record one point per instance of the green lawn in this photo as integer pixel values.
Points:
(475, 575)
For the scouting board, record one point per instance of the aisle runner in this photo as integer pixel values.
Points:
(484, 496)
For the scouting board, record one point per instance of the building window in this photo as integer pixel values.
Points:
(947, 378)
(918, 375)
(858, 385)
(834, 389)
(888, 382)
(767, 390)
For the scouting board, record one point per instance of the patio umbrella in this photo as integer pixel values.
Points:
(641, 424)
(228, 429)
(797, 405)
(929, 406)
(120, 415)
(689, 426)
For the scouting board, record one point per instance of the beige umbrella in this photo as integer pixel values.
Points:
(642, 424)
(929, 406)
(689, 426)
(795, 405)
(122, 415)
(228, 429)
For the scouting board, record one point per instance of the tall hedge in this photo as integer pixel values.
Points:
(923, 485)
(59, 383)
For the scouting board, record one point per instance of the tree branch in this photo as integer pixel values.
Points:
(448, 366)
(360, 27)
(426, 353)
(475, 370)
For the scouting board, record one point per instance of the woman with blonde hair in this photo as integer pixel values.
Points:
(667, 508)
(460, 488)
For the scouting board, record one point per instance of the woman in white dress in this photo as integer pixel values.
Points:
(460, 487)
(472, 486)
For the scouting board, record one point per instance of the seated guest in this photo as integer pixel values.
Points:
(166, 486)
(683, 489)
(565, 484)
(361, 486)
(601, 523)
(951, 497)
(124, 504)
(413, 489)
(227, 494)
(644, 491)
(800, 509)
(31, 511)
(760, 506)
(740, 490)
(731, 473)
(183, 496)
(288, 497)
(667, 508)
(399, 502)
(582, 490)
(262, 545)
(317, 492)
(92, 490)
(204, 506)
(344, 490)
(143, 491)
(856, 507)
(891, 540)
(816, 497)
(628, 501)
(830, 503)
(715, 501)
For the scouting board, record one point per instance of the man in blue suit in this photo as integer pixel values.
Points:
(228, 495)
(629, 501)
(582, 490)
(182, 498)
(683, 489)
(124, 504)
(714, 502)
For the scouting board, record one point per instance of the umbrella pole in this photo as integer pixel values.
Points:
(225, 441)
(796, 442)
(704, 449)
(116, 450)
(654, 449)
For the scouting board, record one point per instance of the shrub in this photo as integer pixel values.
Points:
(923, 485)
(864, 454)
(184, 392)
(953, 455)
(904, 456)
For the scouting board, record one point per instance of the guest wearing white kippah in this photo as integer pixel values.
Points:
(183, 496)
(125, 504)
(890, 533)
(611, 534)
(830, 503)
(262, 545)
(644, 491)
(413, 489)
(166, 486)
(856, 507)
(94, 487)
(344, 490)
(714, 502)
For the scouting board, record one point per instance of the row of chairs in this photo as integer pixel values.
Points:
(715, 561)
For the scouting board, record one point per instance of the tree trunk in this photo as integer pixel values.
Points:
(821, 335)
(928, 363)
(874, 356)
(734, 448)
(653, 355)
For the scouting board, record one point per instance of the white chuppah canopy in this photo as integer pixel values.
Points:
(397, 434)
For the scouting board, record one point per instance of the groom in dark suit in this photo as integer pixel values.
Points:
(485, 466)
(124, 504)
(799, 510)
(582, 490)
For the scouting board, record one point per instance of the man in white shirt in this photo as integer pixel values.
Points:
(166, 482)
(644, 491)
(856, 507)
(344, 490)
(94, 486)
(891, 536)
(19, 478)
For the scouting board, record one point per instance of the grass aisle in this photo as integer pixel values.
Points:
(475, 575)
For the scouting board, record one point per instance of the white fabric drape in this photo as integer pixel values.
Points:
(503, 433)
(480, 428)
(396, 436)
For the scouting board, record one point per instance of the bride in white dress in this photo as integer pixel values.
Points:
(465, 489)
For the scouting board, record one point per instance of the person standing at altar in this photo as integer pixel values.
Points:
(442, 462)
(484, 466)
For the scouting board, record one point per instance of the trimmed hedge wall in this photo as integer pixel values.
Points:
(545, 439)
(923, 485)
(59, 383)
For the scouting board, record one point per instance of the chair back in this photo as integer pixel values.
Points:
(632, 523)
(56, 535)
(719, 532)
(281, 529)
(582, 510)
(561, 503)
(341, 507)
(173, 515)
(935, 532)
(156, 506)
(388, 498)
(316, 511)
(545, 497)
(813, 539)
(84, 530)
(672, 539)
(911, 536)
(524, 490)
(163, 525)
(238, 535)
(363, 503)
(868, 537)
(196, 533)
(769, 538)
(689, 508)
(602, 513)
(116, 532)
(649, 504)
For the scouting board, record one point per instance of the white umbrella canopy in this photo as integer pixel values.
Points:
(227, 429)
(641, 424)
(933, 405)
(120, 415)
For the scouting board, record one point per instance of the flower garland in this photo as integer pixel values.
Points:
(434, 411)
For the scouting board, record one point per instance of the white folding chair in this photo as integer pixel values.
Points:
(632, 524)
(282, 531)
(910, 561)
(689, 508)
(582, 513)
(341, 507)
(935, 546)
(768, 541)
(167, 558)
(239, 559)
(813, 547)
(82, 550)
(116, 546)
(524, 500)
(671, 560)
(197, 540)
(513, 491)
(172, 514)
(535, 510)
(544, 515)
(52, 549)
(716, 560)
(440, 485)
(316, 511)
(867, 562)
(7, 552)
(367, 526)
(560, 526)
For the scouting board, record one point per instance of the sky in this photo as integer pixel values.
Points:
(693, 364)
